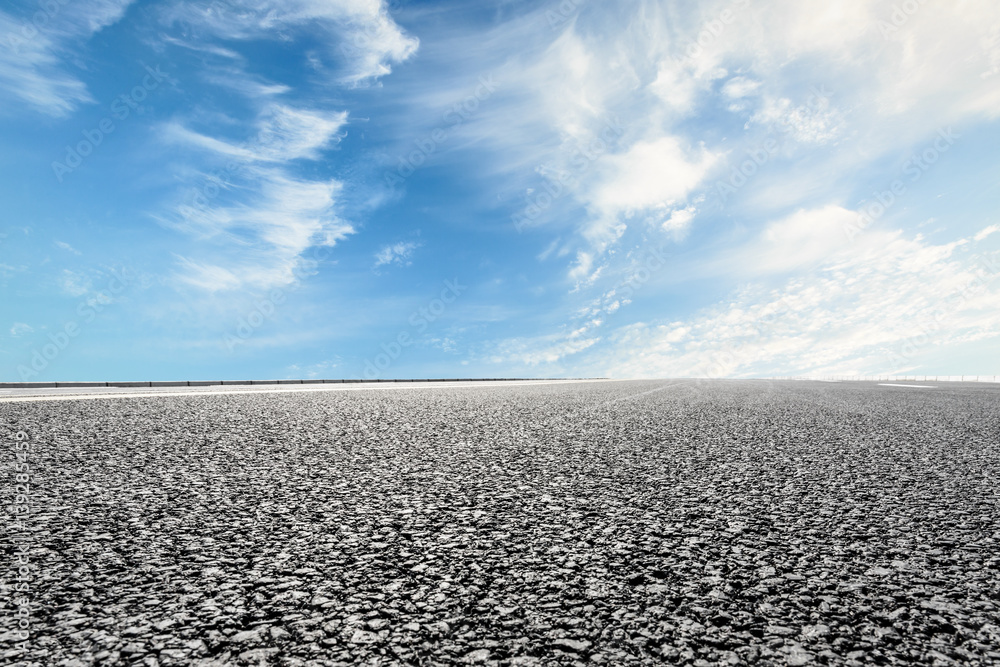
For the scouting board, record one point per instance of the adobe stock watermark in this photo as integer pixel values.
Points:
(121, 108)
(247, 325)
(216, 181)
(900, 16)
(654, 260)
(48, 9)
(459, 113)
(712, 29)
(915, 167)
(761, 154)
(419, 320)
(557, 184)
(87, 310)
(265, 309)
(20, 536)
(563, 13)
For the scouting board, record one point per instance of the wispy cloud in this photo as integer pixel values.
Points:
(67, 247)
(533, 352)
(326, 368)
(31, 72)
(73, 283)
(364, 40)
(799, 241)
(281, 134)
(985, 232)
(20, 329)
(207, 277)
(248, 85)
(260, 236)
(262, 240)
(395, 253)
(36, 47)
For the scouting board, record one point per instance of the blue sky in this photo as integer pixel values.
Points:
(252, 189)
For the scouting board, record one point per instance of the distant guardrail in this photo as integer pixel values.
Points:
(228, 383)
(893, 378)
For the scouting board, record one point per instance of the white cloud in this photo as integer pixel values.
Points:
(282, 133)
(584, 262)
(651, 174)
(20, 328)
(211, 49)
(206, 276)
(294, 214)
(798, 241)
(537, 351)
(245, 84)
(629, 62)
(320, 369)
(360, 32)
(290, 134)
(739, 86)
(792, 28)
(549, 249)
(74, 284)
(983, 233)
(937, 60)
(583, 272)
(679, 219)
(92, 16)
(815, 123)
(863, 312)
(262, 240)
(262, 216)
(675, 85)
(30, 71)
(396, 253)
(33, 51)
(898, 76)
(67, 247)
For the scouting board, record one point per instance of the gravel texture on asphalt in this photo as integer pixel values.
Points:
(640, 522)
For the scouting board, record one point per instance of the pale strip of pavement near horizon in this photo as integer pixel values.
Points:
(78, 394)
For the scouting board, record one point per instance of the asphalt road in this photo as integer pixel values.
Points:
(586, 523)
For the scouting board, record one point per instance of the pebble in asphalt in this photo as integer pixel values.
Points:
(696, 523)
